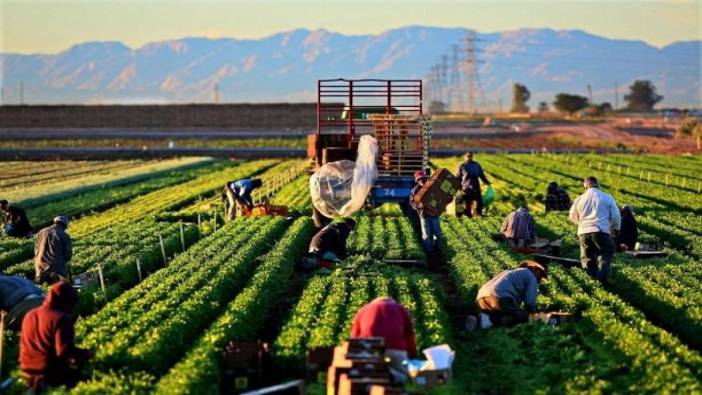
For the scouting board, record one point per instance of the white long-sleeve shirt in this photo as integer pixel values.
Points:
(595, 211)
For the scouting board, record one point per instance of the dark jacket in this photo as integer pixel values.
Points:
(331, 238)
(557, 199)
(53, 250)
(470, 174)
(17, 296)
(47, 345)
(628, 233)
(17, 217)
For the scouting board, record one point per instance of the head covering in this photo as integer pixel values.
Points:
(62, 297)
(628, 208)
(4, 203)
(591, 182)
(61, 220)
(534, 265)
(256, 182)
(552, 186)
(419, 175)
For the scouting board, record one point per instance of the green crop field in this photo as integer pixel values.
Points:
(160, 325)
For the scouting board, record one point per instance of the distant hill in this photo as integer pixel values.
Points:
(285, 66)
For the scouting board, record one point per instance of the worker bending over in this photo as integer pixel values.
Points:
(501, 298)
(430, 225)
(53, 249)
(239, 193)
(519, 228)
(48, 355)
(16, 220)
(470, 172)
(596, 214)
(629, 233)
(329, 244)
(17, 296)
(557, 198)
(386, 318)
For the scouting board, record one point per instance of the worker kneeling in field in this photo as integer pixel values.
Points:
(239, 193)
(596, 214)
(519, 228)
(501, 298)
(386, 318)
(628, 233)
(430, 225)
(557, 199)
(16, 220)
(53, 249)
(17, 296)
(329, 244)
(48, 354)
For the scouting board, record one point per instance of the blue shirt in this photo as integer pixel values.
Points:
(242, 187)
(519, 285)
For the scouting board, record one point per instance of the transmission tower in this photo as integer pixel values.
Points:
(443, 76)
(471, 72)
(456, 90)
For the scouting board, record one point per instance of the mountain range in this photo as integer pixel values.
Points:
(284, 67)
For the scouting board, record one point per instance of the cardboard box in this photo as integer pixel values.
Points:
(438, 192)
(432, 378)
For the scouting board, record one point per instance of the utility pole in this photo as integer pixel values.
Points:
(471, 70)
(443, 73)
(216, 92)
(616, 95)
(589, 93)
(456, 90)
(21, 93)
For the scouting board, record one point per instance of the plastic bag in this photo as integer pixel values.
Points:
(489, 196)
(340, 188)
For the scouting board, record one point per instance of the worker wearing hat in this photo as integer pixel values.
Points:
(53, 250)
(597, 216)
(430, 225)
(500, 300)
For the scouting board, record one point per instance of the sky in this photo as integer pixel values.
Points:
(50, 26)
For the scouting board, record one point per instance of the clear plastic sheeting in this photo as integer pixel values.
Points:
(340, 188)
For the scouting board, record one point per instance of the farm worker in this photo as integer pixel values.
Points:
(596, 213)
(48, 354)
(629, 233)
(16, 221)
(384, 317)
(53, 250)
(329, 244)
(239, 193)
(500, 299)
(470, 172)
(557, 198)
(430, 225)
(17, 296)
(519, 228)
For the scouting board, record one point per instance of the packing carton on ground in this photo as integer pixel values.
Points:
(436, 370)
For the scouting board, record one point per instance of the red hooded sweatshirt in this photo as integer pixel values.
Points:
(47, 341)
(386, 318)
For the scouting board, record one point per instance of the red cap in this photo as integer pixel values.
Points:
(419, 174)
